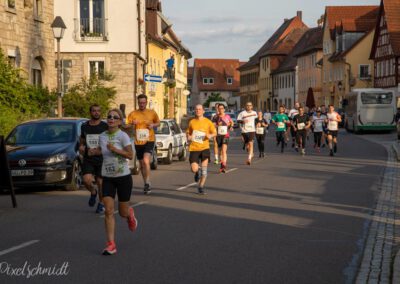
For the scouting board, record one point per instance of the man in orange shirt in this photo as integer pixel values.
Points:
(144, 121)
(199, 133)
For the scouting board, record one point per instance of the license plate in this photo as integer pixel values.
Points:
(21, 173)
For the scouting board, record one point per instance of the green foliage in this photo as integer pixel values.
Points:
(82, 95)
(214, 97)
(19, 100)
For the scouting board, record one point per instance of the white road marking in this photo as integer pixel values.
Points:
(187, 186)
(133, 206)
(231, 170)
(3, 252)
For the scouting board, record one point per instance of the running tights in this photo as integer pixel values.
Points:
(260, 142)
(301, 136)
(318, 138)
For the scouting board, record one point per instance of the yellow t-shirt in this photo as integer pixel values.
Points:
(142, 132)
(199, 129)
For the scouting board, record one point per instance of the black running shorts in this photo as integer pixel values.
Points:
(333, 133)
(122, 186)
(146, 148)
(248, 137)
(222, 140)
(196, 156)
(91, 168)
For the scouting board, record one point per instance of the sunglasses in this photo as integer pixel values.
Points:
(113, 117)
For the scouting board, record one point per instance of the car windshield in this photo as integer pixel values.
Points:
(376, 98)
(42, 133)
(163, 128)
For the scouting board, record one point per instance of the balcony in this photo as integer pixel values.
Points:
(91, 29)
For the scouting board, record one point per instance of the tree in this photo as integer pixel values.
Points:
(214, 97)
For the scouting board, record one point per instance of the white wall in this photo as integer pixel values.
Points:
(122, 27)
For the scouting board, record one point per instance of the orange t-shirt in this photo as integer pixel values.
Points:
(199, 129)
(144, 118)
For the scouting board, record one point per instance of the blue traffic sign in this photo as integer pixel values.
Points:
(152, 78)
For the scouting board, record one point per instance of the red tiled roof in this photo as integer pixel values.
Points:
(220, 70)
(314, 39)
(286, 45)
(392, 12)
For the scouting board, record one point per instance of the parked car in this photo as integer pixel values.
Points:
(46, 152)
(171, 141)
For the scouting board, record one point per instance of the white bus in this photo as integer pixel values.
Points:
(370, 109)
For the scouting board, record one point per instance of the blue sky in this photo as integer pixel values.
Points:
(238, 28)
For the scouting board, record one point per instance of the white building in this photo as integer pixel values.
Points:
(104, 37)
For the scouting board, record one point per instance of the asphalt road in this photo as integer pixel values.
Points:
(284, 219)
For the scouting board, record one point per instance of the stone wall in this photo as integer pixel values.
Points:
(27, 37)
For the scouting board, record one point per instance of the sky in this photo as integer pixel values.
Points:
(238, 28)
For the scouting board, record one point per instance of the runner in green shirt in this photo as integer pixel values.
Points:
(280, 120)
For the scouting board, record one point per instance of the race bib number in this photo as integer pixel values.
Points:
(110, 167)
(142, 134)
(249, 128)
(198, 136)
(281, 125)
(260, 130)
(332, 125)
(222, 130)
(301, 126)
(92, 140)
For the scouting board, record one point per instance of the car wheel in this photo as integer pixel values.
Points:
(154, 161)
(76, 179)
(168, 159)
(183, 155)
(136, 166)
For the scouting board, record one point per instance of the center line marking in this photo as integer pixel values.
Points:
(3, 252)
(187, 186)
(134, 205)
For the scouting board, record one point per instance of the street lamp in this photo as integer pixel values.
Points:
(58, 27)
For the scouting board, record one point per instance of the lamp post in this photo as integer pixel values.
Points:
(58, 27)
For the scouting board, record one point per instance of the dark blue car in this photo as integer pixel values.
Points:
(46, 152)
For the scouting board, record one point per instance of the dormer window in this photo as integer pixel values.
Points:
(208, 81)
(229, 80)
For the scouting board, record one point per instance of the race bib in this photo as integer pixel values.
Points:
(332, 125)
(281, 125)
(301, 126)
(142, 134)
(222, 130)
(110, 166)
(249, 128)
(92, 140)
(260, 130)
(198, 136)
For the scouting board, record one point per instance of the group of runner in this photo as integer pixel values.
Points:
(324, 125)
(106, 148)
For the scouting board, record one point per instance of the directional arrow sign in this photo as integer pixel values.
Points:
(152, 78)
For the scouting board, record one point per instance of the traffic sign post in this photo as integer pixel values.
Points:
(152, 78)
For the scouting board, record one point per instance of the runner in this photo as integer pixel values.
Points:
(261, 124)
(318, 122)
(280, 119)
(301, 124)
(199, 133)
(292, 113)
(224, 125)
(247, 124)
(325, 130)
(115, 145)
(215, 143)
(91, 166)
(332, 119)
(144, 121)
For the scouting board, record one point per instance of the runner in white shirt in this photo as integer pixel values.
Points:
(332, 121)
(247, 124)
(318, 121)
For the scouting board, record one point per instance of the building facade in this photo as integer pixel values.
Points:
(347, 39)
(385, 50)
(216, 76)
(104, 37)
(27, 39)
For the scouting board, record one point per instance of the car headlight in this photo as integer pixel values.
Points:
(159, 144)
(56, 159)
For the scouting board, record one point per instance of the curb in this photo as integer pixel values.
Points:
(396, 149)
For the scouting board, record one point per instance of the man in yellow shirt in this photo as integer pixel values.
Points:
(199, 133)
(144, 121)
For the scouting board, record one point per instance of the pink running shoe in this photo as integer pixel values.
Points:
(132, 221)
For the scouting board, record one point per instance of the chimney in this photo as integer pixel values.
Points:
(300, 15)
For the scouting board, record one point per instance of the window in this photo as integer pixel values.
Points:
(92, 20)
(36, 73)
(96, 68)
(364, 72)
(211, 81)
(376, 98)
(11, 4)
(38, 8)
(229, 80)
(12, 61)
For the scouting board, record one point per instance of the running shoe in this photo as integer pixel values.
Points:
(132, 221)
(100, 208)
(303, 152)
(110, 249)
(296, 149)
(216, 161)
(248, 162)
(201, 191)
(331, 153)
(146, 189)
(92, 199)
(260, 155)
(197, 176)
